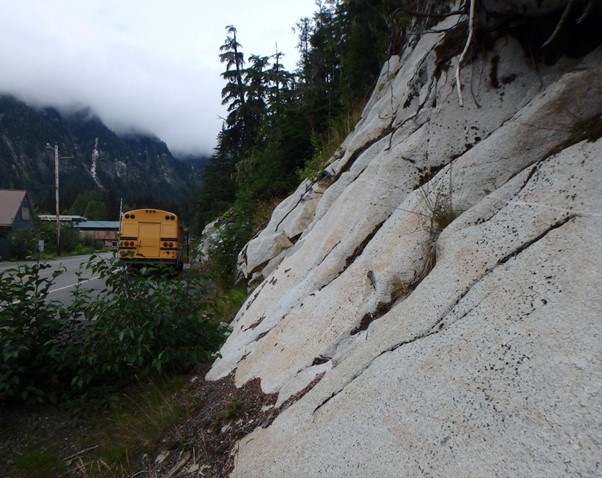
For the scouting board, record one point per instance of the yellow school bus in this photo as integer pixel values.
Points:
(152, 236)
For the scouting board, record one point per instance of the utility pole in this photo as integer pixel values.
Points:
(56, 189)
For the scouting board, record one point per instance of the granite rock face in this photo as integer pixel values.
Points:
(442, 280)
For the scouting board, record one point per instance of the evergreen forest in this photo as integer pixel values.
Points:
(282, 127)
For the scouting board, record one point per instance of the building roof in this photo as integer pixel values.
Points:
(99, 225)
(10, 202)
(62, 218)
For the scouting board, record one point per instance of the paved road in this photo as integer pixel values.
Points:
(64, 284)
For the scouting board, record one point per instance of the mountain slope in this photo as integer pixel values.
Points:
(432, 304)
(91, 156)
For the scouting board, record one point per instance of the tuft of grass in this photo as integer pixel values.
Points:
(438, 201)
(100, 469)
(441, 212)
(227, 303)
(133, 427)
(327, 146)
(444, 216)
(232, 409)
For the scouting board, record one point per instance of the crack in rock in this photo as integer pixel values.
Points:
(354, 255)
(290, 211)
(435, 328)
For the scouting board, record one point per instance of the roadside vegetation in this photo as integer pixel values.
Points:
(23, 243)
(107, 371)
(145, 321)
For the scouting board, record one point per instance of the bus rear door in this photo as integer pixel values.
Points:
(148, 237)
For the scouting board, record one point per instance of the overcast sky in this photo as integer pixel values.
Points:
(145, 65)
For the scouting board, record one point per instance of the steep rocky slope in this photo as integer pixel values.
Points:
(92, 157)
(436, 296)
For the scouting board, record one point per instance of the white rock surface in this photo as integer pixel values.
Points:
(210, 234)
(483, 356)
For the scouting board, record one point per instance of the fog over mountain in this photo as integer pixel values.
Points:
(92, 157)
(144, 66)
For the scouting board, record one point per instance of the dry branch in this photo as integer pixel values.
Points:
(465, 51)
(561, 23)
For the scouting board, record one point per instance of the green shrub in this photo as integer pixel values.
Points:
(70, 237)
(32, 329)
(149, 321)
(21, 243)
(146, 320)
(223, 252)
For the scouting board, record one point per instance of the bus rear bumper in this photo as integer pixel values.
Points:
(135, 261)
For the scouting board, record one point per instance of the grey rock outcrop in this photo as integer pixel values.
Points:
(444, 281)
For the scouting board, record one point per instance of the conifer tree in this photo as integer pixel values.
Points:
(256, 83)
(233, 92)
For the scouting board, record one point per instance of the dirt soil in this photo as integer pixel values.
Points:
(42, 429)
(204, 443)
(198, 446)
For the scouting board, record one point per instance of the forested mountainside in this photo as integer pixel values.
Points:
(138, 168)
(428, 303)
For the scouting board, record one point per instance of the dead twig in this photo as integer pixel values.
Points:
(465, 51)
(414, 13)
(588, 9)
(179, 465)
(560, 25)
(81, 452)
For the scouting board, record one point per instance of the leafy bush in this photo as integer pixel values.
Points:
(70, 237)
(31, 328)
(148, 321)
(21, 243)
(223, 251)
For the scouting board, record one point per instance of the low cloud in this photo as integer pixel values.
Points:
(144, 65)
